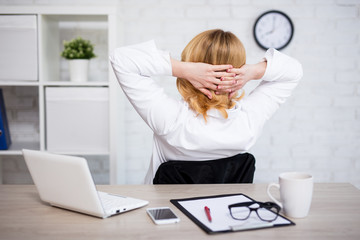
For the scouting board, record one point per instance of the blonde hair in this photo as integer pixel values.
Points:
(213, 47)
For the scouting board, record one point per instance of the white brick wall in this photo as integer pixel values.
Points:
(317, 130)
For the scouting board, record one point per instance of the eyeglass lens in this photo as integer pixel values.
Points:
(243, 212)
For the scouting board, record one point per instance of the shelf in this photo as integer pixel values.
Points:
(19, 83)
(16, 147)
(75, 84)
(54, 83)
(77, 153)
(27, 100)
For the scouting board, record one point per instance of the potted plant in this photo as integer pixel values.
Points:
(78, 51)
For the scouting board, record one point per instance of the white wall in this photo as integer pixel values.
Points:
(317, 130)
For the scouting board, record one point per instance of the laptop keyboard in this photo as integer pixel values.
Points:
(112, 203)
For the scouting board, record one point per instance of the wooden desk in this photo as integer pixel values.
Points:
(334, 214)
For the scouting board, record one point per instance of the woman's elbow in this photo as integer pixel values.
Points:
(297, 70)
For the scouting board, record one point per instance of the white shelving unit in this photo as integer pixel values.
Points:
(49, 19)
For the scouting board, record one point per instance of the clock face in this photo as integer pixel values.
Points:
(273, 29)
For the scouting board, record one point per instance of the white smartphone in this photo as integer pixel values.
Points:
(162, 215)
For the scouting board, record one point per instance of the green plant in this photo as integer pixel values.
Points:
(78, 48)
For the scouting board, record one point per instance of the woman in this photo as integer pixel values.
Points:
(211, 121)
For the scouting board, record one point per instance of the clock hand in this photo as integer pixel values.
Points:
(273, 27)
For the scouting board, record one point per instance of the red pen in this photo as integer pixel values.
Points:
(207, 212)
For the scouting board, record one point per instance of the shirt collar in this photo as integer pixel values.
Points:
(232, 112)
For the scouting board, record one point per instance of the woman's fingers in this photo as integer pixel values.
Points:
(231, 84)
(224, 75)
(238, 71)
(206, 92)
(213, 85)
(218, 78)
(221, 79)
(224, 67)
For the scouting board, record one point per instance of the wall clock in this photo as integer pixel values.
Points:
(273, 29)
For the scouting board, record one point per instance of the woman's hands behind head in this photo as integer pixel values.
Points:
(242, 75)
(220, 78)
(202, 76)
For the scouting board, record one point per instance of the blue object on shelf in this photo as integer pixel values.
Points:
(5, 139)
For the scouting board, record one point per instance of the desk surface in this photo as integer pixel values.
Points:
(334, 214)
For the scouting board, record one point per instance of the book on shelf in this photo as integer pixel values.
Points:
(5, 139)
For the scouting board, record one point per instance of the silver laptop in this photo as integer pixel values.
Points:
(66, 182)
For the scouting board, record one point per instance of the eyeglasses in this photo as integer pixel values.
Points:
(267, 211)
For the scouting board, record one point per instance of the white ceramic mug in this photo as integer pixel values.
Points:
(295, 193)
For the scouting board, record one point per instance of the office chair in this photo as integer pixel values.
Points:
(236, 169)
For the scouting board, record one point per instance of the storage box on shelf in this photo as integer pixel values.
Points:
(77, 119)
(18, 48)
(48, 28)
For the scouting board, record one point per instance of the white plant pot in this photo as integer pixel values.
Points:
(79, 70)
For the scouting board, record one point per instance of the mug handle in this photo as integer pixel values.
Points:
(272, 198)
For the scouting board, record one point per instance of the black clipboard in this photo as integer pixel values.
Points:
(193, 209)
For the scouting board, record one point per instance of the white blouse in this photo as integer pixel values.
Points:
(181, 134)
